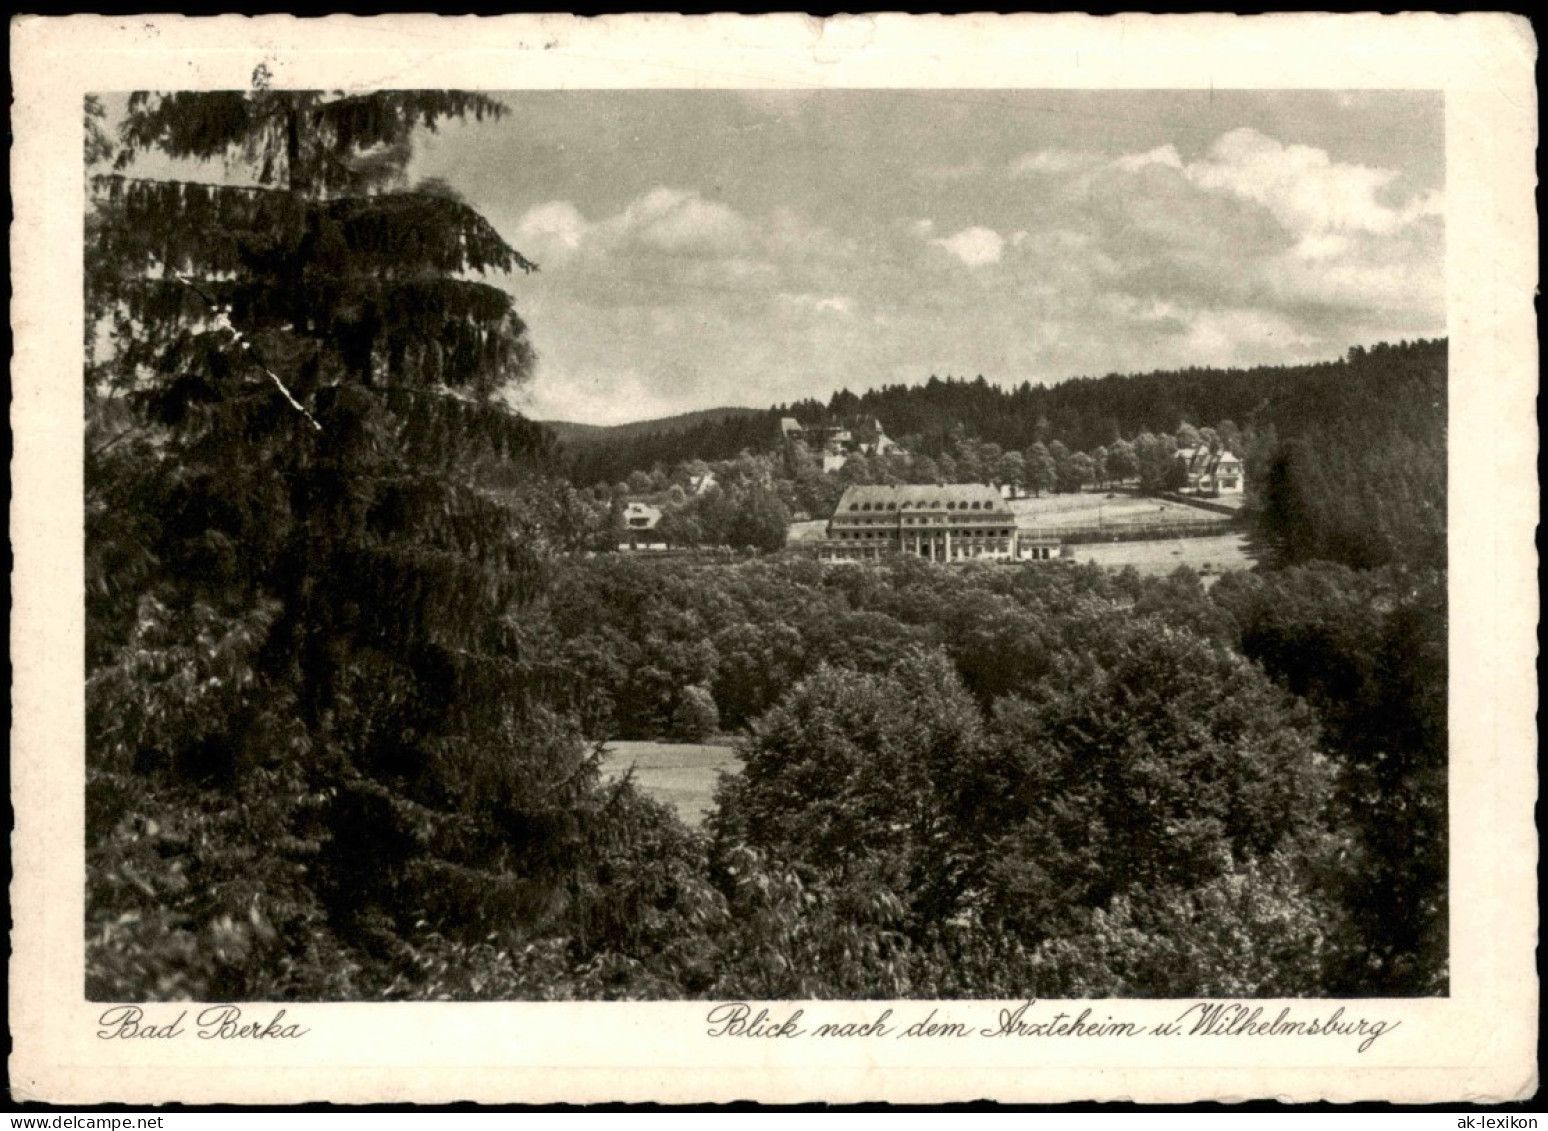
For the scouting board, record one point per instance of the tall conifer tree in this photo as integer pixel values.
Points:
(317, 595)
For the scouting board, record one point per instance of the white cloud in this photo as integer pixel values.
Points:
(1326, 245)
(833, 304)
(1304, 188)
(616, 398)
(974, 246)
(1052, 162)
(673, 221)
(552, 231)
(1231, 337)
(1166, 155)
(681, 221)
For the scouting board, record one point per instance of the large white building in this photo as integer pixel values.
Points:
(951, 523)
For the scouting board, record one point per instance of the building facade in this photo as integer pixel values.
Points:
(1213, 473)
(952, 523)
(639, 533)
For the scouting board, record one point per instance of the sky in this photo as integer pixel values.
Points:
(710, 248)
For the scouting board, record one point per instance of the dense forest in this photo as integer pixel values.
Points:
(352, 653)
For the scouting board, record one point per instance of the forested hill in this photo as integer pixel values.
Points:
(578, 435)
(1387, 389)
(606, 455)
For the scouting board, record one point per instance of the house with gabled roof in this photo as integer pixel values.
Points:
(639, 527)
(1213, 473)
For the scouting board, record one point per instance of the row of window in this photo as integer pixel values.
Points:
(863, 534)
(933, 505)
(885, 522)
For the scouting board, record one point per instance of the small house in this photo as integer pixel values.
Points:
(640, 521)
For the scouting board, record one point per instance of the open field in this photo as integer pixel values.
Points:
(680, 774)
(1104, 509)
(814, 531)
(1221, 554)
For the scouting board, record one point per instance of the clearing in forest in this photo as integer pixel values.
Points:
(679, 774)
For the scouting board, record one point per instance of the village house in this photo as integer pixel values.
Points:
(1212, 473)
(640, 521)
(836, 444)
(950, 523)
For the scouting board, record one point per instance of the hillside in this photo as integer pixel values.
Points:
(1400, 388)
(1346, 459)
(574, 435)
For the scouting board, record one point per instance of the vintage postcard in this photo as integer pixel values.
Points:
(707, 559)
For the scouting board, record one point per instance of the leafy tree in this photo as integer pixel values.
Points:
(1368, 651)
(1076, 472)
(1154, 759)
(679, 528)
(1160, 469)
(971, 464)
(1012, 469)
(98, 145)
(874, 775)
(759, 520)
(1041, 469)
(695, 718)
(1099, 471)
(1121, 461)
(1256, 932)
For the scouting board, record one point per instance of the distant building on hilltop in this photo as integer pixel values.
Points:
(834, 444)
(1213, 473)
(952, 523)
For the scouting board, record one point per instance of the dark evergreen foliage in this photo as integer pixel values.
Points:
(311, 540)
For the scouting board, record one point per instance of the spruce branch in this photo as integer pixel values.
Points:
(223, 322)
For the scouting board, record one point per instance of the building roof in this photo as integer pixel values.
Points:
(636, 510)
(1201, 461)
(923, 496)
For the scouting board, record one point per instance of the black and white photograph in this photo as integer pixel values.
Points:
(960, 545)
